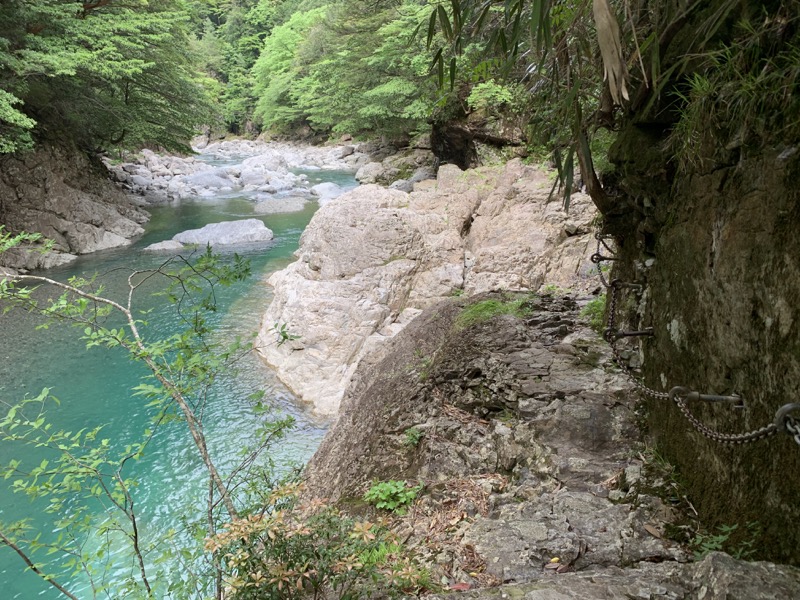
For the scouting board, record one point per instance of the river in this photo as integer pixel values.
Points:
(94, 386)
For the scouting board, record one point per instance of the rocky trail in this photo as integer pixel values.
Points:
(537, 478)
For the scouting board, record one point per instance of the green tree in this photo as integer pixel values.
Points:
(353, 67)
(99, 73)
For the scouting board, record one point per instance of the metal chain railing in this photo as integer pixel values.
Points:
(784, 422)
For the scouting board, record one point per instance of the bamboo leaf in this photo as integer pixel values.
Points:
(437, 63)
(457, 21)
(431, 29)
(444, 21)
(482, 17)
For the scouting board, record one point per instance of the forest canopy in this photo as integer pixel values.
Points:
(106, 73)
(98, 73)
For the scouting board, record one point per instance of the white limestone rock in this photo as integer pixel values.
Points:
(165, 246)
(374, 257)
(226, 233)
(370, 172)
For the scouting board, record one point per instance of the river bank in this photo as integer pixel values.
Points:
(69, 198)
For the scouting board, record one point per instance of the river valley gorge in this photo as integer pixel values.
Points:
(440, 330)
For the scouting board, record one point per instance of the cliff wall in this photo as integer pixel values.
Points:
(717, 252)
(66, 196)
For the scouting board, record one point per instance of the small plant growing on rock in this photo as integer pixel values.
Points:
(705, 543)
(596, 312)
(283, 333)
(413, 436)
(392, 495)
(487, 309)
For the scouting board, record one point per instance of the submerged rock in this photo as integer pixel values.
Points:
(276, 205)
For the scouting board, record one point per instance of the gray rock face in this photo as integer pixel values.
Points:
(226, 233)
(60, 193)
(716, 577)
(528, 452)
(373, 258)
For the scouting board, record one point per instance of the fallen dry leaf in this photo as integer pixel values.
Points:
(460, 587)
(652, 530)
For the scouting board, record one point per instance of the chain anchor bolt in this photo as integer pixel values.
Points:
(611, 335)
(616, 283)
(597, 258)
(682, 394)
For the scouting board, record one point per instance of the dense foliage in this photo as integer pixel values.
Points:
(98, 73)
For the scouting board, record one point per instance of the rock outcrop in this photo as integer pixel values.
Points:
(525, 437)
(66, 196)
(373, 258)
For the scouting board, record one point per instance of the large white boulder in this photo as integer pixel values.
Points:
(226, 233)
(372, 259)
(370, 172)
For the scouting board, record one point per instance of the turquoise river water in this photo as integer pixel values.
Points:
(94, 386)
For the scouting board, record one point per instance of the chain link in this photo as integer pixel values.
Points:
(725, 438)
(791, 425)
(600, 240)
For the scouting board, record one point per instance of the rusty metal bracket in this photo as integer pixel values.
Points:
(686, 394)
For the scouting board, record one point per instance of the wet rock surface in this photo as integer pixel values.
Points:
(372, 259)
(541, 490)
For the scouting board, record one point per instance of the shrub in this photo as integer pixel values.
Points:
(296, 550)
(596, 312)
